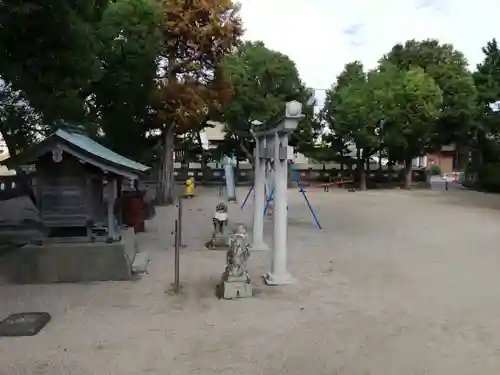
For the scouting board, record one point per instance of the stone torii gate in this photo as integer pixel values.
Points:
(272, 145)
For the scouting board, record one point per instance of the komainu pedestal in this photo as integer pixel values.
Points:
(235, 281)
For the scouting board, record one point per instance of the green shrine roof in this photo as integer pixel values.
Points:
(92, 147)
(80, 145)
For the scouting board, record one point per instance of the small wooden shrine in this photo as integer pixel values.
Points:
(76, 185)
(77, 182)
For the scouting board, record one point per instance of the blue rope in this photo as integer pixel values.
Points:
(296, 177)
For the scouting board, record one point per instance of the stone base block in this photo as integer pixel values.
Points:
(235, 289)
(259, 246)
(274, 279)
(72, 262)
(221, 243)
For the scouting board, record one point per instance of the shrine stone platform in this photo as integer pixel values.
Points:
(55, 262)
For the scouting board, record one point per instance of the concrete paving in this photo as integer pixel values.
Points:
(396, 283)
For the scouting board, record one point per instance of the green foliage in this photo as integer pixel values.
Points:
(130, 44)
(85, 62)
(351, 111)
(262, 81)
(49, 53)
(19, 122)
(410, 109)
(336, 140)
(392, 107)
(489, 177)
(487, 80)
(435, 170)
(448, 68)
(487, 74)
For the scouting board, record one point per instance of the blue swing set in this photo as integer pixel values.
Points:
(271, 195)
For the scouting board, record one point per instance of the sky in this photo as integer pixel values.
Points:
(323, 35)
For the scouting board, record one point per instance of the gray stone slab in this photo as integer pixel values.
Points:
(69, 262)
(141, 262)
(24, 324)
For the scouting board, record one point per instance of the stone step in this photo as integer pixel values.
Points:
(140, 263)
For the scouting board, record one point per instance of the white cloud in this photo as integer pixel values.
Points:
(322, 35)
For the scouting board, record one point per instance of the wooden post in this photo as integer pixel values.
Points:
(111, 190)
(119, 215)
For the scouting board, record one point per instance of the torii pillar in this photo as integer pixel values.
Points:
(259, 196)
(272, 144)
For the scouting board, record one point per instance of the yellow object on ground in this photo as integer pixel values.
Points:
(189, 192)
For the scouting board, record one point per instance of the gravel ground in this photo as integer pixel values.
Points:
(395, 283)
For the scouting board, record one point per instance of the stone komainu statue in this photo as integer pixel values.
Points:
(219, 221)
(235, 281)
(237, 256)
(220, 218)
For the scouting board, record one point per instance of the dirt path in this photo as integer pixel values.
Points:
(396, 283)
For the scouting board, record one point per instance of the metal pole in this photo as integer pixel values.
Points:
(269, 199)
(176, 254)
(296, 177)
(248, 195)
(380, 145)
(179, 218)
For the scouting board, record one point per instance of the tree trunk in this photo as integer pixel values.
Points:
(390, 171)
(408, 172)
(237, 171)
(462, 158)
(247, 153)
(362, 176)
(204, 156)
(479, 150)
(8, 142)
(165, 184)
(361, 171)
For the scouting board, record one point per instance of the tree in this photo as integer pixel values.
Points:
(262, 81)
(487, 80)
(448, 68)
(410, 103)
(338, 143)
(20, 124)
(304, 138)
(351, 114)
(197, 34)
(49, 53)
(123, 95)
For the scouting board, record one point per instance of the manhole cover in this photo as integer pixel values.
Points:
(24, 324)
